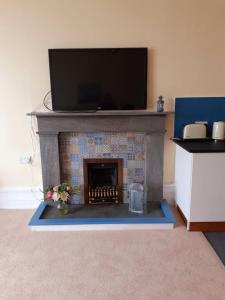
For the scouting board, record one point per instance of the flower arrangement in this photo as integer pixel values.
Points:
(60, 194)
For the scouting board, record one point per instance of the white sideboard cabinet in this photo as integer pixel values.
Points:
(200, 189)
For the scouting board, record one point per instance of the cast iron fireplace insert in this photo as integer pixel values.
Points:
(103, 180)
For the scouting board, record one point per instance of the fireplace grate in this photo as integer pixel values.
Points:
(103, 194)
(103, 181)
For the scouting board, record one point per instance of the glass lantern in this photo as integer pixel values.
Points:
(136, 198)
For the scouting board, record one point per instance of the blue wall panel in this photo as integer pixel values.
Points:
(189, 110)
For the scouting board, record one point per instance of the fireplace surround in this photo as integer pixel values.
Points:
(127, 147)
(151, 124)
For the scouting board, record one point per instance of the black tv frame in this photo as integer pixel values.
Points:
(96, 49)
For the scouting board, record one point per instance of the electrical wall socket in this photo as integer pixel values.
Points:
(25, 159)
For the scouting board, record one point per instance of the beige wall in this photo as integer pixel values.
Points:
(186, 39)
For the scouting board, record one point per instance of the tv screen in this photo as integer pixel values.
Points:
(98, 79)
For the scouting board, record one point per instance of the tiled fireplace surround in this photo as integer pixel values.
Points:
(75, 147)
(137, 137)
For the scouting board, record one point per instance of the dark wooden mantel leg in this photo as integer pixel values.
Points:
(49, 146)
(154, 166)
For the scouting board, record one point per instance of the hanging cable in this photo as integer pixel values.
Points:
(45, 101)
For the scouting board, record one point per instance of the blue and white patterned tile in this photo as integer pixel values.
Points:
(75, 180)
(115, 140)
(90, 135)
(131, 172)
(132, 164)
(90, 141)
(123, 140)
(139, 139)
(75, 164)
(123, 148)
(130, 156)
(98, 140)
(139, 156)
(81, 140)
(74, 157)
(131, 140)
(107, 147)
(139, 172)
(138, 148)
(106, 139)
(106, 155)
(124, 163)
(130, 148)
(90, 150)
(74, 140)
(114, 148)
(82, 149)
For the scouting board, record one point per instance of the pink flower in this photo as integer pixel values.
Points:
(68, 188)
(49, 195)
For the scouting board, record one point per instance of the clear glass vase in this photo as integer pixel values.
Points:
(63, 207)
(136, 198)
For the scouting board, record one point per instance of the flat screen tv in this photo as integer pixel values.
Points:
(98, 79)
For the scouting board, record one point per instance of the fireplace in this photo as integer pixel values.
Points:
(141, 161)
(131, 139)
(103, 181)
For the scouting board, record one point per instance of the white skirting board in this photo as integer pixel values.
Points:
(30, 197)
(102, 227)
(20, 197)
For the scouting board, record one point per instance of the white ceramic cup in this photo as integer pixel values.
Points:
(218, 132)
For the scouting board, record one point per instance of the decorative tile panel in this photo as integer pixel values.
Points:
(129, 146)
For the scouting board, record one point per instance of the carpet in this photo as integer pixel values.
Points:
(217, 241)
(107, 265)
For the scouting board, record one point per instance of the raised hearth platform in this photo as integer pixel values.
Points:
(103, 217)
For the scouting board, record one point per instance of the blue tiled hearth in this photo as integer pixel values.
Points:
(160, 219)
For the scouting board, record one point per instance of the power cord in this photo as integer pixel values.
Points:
(46, 105)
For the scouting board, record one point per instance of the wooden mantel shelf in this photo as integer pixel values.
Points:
(99, 113)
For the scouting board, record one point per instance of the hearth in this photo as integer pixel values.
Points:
(103, 181)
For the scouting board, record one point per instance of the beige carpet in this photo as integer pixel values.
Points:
(155, 264)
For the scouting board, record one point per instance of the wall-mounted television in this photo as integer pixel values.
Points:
(98, 79)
